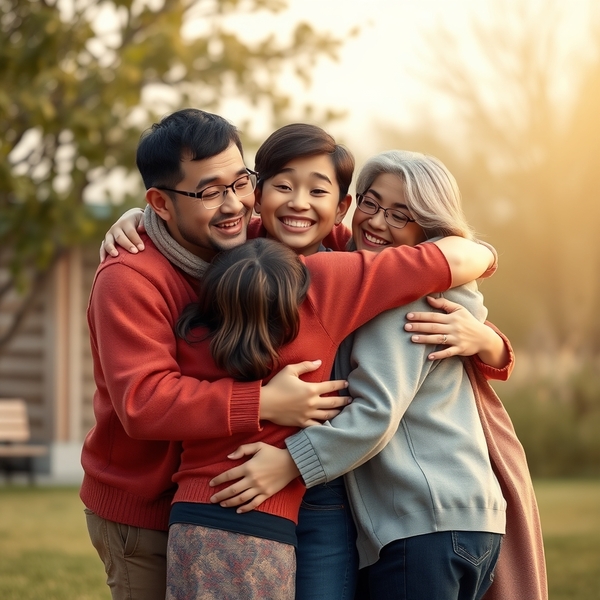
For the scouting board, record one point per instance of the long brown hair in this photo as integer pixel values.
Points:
(249, 301)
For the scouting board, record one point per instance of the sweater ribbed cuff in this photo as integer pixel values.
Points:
(245, 407)
(497, 373)
(306, 460)
(494, 373)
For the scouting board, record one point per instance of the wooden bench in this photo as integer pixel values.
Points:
(14, 439)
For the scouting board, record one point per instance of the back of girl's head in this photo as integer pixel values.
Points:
(300, 140)
(249, 300)
(189, 133)
(431, 192)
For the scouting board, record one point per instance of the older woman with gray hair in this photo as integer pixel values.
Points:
(429, 454)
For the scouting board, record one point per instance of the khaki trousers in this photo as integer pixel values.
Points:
(134, 558)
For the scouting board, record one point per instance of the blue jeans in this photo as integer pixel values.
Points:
(326, 559)
(447, 565)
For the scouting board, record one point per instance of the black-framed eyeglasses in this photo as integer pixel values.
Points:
(214, 196)
(393, 217)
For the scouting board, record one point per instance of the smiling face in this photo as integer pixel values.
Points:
(202, 231)
(300, 205)
(371, 232)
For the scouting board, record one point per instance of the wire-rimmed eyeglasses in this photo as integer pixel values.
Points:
(393, 217)
(214, 196)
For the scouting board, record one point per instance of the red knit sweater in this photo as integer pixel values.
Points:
(144, 403)
(347, 290)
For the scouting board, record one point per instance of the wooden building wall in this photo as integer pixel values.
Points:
(22, 364)
(48, 363)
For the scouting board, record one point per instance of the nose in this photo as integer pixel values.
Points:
(377, 221)
(300, 200)
(232, 203)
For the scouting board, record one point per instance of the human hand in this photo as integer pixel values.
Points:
(124, 232)
(288, 400)
(268, 471)
(462, 333)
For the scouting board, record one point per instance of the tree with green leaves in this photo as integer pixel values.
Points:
(79, 81)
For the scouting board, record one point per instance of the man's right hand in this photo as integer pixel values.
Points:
(288, 400)
(124, 232)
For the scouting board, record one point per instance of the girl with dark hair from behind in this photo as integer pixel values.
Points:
(249, 304)
(261, 307)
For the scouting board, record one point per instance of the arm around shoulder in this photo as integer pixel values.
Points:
(468, 260)
(136, 365)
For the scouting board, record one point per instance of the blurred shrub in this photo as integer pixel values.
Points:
(558, 423)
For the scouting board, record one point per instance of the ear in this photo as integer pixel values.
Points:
(342, 209)
(257, 199)
(160, 202)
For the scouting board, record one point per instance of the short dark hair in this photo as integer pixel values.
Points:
(249, 300)
(298, 140)
(189, 132)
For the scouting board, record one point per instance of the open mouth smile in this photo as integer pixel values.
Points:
(230, 225)
(373, 239)
(297, 223)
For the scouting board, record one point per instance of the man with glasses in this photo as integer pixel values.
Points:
(200, 198)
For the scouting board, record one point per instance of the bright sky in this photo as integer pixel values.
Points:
(375, 80)
(371, 79)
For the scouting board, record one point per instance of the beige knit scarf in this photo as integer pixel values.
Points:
(177, 254)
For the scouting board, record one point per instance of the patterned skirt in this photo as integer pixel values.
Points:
(212, 564)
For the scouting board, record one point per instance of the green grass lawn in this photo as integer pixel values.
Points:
(570, 513)
(45, 552)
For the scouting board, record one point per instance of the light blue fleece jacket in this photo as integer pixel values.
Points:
(411, 442)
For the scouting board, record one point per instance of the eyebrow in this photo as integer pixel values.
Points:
(207, 181)
(380, 198)
(313, 174)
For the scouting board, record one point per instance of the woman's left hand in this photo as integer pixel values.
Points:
(456, 328)
(268, 471)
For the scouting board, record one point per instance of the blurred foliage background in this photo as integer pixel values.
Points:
(79, 81)
(528, 164)
(75, 93)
